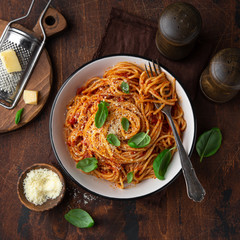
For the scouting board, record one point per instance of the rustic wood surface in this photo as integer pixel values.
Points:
(166, 215)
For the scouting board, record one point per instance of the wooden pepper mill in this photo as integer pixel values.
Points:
(178, 28)
(220, 81)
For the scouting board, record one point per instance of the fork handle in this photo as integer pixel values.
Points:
(195, 190)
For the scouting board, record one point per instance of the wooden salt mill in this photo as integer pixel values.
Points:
(178, 28)
(220, 81)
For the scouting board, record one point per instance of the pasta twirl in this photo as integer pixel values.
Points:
(85, 140)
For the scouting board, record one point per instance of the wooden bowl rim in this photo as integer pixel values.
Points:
(50, 203)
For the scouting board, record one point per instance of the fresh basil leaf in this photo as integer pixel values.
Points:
(208, 143)
(129, 177)
(101, 115)
(79, 218)
(18, 116)
(113, 139)
(87, 164)
(125, 124)
(125, 87)
(139, 140)
(161, 163)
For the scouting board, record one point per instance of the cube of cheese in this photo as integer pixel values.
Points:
(10, 61)
(30, 97)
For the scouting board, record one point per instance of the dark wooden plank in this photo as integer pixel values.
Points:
(165, 215)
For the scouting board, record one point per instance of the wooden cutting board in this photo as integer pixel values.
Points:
(41, 78)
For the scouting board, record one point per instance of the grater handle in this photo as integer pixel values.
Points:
(15, 20)
(53, 22)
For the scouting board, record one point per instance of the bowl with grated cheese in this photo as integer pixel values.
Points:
(41, 187)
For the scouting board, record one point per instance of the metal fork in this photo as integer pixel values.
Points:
(195, 191)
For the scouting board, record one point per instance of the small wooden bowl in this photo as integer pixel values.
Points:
(50, 203)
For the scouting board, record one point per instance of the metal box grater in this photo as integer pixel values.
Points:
(28, 49)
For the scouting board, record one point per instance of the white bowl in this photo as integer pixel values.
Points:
(91, 183)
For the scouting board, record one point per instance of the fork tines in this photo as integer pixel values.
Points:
(153, 69)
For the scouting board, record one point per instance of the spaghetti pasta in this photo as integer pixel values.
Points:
(85, 140)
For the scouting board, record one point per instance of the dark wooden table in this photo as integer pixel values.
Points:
(166, 215)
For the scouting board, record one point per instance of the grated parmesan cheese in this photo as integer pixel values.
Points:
(40, 185)
(115, 127)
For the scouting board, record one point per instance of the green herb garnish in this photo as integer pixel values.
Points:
(101, 115)
(208, 143)
(129, 177)
(125, 124)
(87, 164)
(113, 139)
(18, 116)
(139, 140)
(79, 218)
(161, 163)
(125, 87)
